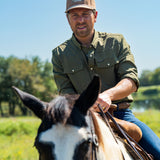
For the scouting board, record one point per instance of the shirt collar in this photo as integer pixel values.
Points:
(94, 42)
(75, 41)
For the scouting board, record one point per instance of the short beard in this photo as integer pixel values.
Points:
(82, 33)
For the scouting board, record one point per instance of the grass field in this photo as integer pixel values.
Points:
(17, 135)
(17, 138)
(152, 119)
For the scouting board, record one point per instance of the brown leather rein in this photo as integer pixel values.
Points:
(106, 116)
(94, 140)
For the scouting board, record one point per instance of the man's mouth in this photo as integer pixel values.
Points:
(81, 27)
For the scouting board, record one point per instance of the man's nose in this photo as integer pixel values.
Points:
(81, 18)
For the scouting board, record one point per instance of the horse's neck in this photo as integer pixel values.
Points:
(108, 148)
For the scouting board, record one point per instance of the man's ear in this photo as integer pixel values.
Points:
(95, 16)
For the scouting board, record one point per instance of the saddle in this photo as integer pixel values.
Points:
(130, 128)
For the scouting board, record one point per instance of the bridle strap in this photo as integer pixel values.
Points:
(94, 138)
(120, 129)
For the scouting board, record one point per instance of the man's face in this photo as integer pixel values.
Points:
(82, 22)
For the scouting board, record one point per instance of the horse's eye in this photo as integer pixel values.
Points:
(89, 140)
(85, 145)
(45, 150)
(82, 150)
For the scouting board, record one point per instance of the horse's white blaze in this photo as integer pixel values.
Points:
(65, 139)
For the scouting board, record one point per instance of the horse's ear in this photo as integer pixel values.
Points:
(31, 102)
(89, 96)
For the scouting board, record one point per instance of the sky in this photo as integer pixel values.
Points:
(34, 27)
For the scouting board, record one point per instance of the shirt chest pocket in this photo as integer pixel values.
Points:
(78, 75)
(107, 62)
(73, 69)
(106, 68)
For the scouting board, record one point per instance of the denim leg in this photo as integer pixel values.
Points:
(150, 141)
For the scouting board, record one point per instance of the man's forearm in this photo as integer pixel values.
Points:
(124, 88)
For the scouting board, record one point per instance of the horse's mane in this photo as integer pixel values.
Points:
(60, 108)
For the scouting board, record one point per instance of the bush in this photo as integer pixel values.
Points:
(21, 126)
(150, 92)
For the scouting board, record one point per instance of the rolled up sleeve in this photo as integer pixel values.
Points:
(126, 67)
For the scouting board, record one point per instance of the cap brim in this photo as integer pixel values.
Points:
(79, 6)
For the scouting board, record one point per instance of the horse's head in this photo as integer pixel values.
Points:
(64, 132)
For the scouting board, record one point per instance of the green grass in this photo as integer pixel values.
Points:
(151, 118)
(17, 135)
(18, 147)
(17, 138)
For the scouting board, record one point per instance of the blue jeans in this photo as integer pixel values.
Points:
(150, 141)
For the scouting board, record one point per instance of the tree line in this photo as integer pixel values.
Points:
(32, 76)
(149, 78)
(36, 77)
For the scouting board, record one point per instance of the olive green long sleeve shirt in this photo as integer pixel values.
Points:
(109, 56)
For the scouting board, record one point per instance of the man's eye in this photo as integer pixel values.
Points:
(74, 15)
(86, 14)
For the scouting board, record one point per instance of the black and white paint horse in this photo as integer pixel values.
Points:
(71, 131)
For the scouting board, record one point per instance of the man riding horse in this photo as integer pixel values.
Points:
(89, 52)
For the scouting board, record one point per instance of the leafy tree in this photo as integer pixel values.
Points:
(156, 76)
(146, 77)
(34, 77)
(2, 73)
(24, 75)
(5, 81)
(48, 82)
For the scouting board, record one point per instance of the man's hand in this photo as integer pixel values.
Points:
(124, 88)
(104, 101)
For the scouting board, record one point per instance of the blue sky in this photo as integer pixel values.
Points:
(34, 27)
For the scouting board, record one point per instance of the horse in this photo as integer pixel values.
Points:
(71, 130)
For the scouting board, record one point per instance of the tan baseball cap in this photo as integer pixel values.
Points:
(88, 4)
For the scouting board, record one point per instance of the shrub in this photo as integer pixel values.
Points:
(150, 92)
